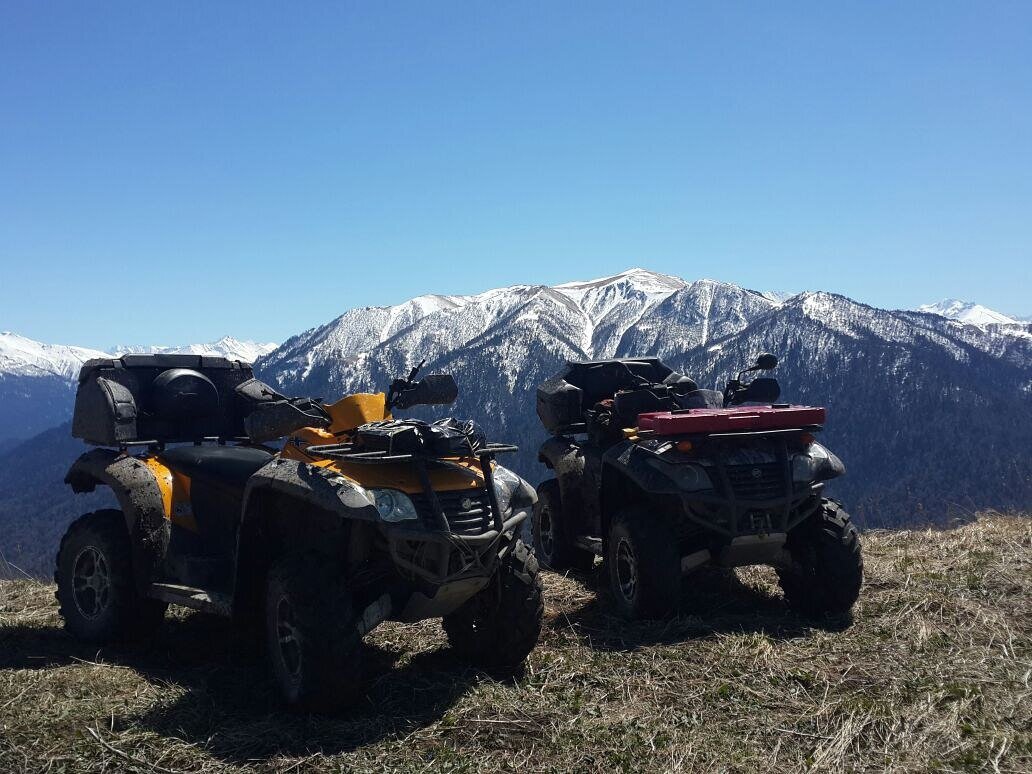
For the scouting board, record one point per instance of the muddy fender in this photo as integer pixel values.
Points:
(626, 462)
(140, 499)
(291, 506)
(567, 460)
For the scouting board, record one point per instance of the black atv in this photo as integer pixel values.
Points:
(660, 478)
(360, 518)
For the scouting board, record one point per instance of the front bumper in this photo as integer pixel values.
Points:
(439, 557)
(731, 515)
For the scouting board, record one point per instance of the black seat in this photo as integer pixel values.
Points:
(227, 465)
(602, 380)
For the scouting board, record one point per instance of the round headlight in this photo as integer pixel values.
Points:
(393, 505)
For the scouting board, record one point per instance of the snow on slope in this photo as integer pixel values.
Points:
(21, 356)
(968, 313)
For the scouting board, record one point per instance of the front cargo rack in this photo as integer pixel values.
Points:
(348, 452)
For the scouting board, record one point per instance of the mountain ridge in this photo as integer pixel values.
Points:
(901, 385)
(931, 415)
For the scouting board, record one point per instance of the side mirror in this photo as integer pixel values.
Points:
(765, 362)
(433, 389)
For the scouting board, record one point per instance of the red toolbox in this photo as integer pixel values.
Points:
(729, 420)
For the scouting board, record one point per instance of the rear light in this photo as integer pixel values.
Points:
(807, 439)
(684, 446)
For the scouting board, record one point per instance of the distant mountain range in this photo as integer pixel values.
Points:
(227, 346)
(967, 312)
(37, 381)
(931, 409)
(931, 414)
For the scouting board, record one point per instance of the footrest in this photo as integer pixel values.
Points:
(197, 599)
(588, 543)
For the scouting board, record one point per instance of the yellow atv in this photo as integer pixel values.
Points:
(358, 519)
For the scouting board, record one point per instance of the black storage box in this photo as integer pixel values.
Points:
(559, 404)
(160, 398)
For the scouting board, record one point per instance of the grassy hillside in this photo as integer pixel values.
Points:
(934, 672)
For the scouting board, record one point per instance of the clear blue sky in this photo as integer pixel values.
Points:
(171, 172)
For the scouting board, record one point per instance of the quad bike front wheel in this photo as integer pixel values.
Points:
(313, 641)
(643, 564)
(552, 532)
(827, 567)
(96, 589)
(499, 626)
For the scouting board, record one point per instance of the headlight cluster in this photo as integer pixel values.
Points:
(692, 478)
(808, 465)
(393, 505)
(509, 490)
(688, 476)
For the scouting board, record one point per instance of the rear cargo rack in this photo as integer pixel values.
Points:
(159, 445)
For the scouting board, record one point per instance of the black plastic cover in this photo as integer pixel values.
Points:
(162, 398)
(276, 418)
(562, 400)
(432, 389)
(707, 399)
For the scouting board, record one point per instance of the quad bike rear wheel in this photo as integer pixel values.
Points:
(644, 564)
(313, 641)
(827, 567)
(552, 531)
(499, 627)
(96, 588)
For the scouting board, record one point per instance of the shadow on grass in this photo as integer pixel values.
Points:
(713, 602)
(221, 698)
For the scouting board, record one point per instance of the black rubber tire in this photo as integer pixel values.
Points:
(827, 564)
(108, 608)
(319, 627)
(499, 627)
(644, 564)
(552, 533)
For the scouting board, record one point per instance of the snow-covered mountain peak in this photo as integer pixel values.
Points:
(227, 347)
(642, 280)
(434, 302)
(968, 313)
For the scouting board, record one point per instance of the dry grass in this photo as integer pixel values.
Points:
(934, 673)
